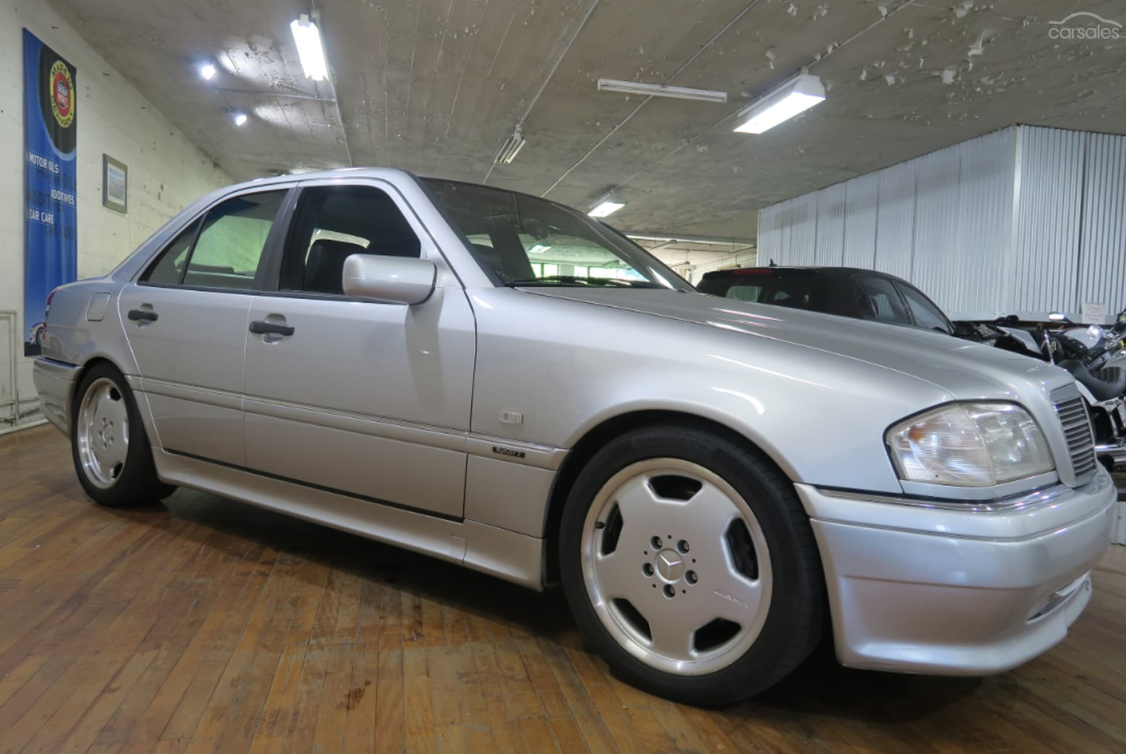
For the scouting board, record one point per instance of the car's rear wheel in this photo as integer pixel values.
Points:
(690, 565)
(112, 455)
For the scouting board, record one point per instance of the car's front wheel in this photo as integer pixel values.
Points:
(690, 565)
(112, 455)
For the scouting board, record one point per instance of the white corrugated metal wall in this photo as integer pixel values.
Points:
(1047, 220)
(1102, 255)
(1026, 220)
(983, 262)
(895, 220)
(861, 200)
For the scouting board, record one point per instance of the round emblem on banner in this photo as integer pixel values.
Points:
(62, 94)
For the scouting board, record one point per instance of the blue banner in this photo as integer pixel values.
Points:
(51, 189)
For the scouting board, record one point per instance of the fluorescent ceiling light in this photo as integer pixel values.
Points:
(660, 90)
(511, 148)
(795, 96)
(308, 39)
(240, 118)
(538, 249)
(605, 208)
(207, 71)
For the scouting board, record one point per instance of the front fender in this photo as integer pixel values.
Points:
(566, 367)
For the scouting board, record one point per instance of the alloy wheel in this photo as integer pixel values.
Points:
(103, 433)
(676, 566)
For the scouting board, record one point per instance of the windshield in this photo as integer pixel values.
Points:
(525, 241)
(926, 313)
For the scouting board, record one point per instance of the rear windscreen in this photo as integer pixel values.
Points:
(797, 291)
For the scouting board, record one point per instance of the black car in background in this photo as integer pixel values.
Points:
(844, 291)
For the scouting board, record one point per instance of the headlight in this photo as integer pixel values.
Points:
(969, 445)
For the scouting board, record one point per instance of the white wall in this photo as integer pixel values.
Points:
(1022, 221)
(166, 171)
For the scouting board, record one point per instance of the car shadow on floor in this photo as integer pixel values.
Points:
(820, 686)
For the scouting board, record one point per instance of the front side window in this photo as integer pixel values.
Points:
(335, 222)
(526, 241)
(924, 311)
(223, 252)
(879, 301)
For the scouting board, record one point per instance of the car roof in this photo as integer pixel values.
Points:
(811, 270)
(374, 172)
(362, 172)
(315, 175)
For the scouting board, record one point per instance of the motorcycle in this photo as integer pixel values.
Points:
(1095, 356)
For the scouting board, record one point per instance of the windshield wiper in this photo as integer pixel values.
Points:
(629, 283)
(576, 282)
(557, 280)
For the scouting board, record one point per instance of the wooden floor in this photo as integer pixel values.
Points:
(207, 625)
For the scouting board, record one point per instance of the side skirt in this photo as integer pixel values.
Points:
(498, 552)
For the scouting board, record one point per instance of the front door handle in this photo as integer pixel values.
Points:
(143, 315)
(260, 327)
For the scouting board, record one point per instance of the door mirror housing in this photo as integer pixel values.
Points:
(389, 280)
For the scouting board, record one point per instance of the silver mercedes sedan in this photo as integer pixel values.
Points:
(505, 383)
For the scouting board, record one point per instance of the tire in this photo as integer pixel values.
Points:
(769, 607)
(111, 452)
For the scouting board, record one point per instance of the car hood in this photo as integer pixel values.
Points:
(963, 369)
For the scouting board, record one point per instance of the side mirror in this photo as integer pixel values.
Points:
(389, 280)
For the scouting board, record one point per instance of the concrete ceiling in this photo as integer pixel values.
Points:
(685, 256)
(436, 87)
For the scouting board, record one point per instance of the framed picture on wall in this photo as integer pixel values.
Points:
(115, 185)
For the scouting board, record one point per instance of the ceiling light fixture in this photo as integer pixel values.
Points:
(606, 207)
(308, 39)
(207, 71)
(511, 148)
(660, 90)
(795, 96)
(539, 249)
(239, 118)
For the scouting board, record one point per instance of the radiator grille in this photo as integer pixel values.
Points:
(1080, 443)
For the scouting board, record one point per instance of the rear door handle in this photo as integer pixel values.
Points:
(260, 327)
(143, 315)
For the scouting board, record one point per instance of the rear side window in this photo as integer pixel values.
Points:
(878, 300)
(170, 267)
(335, 222)
(225, 252)
(231, 242)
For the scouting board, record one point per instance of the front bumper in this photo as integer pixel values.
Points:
(916, 587)
(55, 381)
